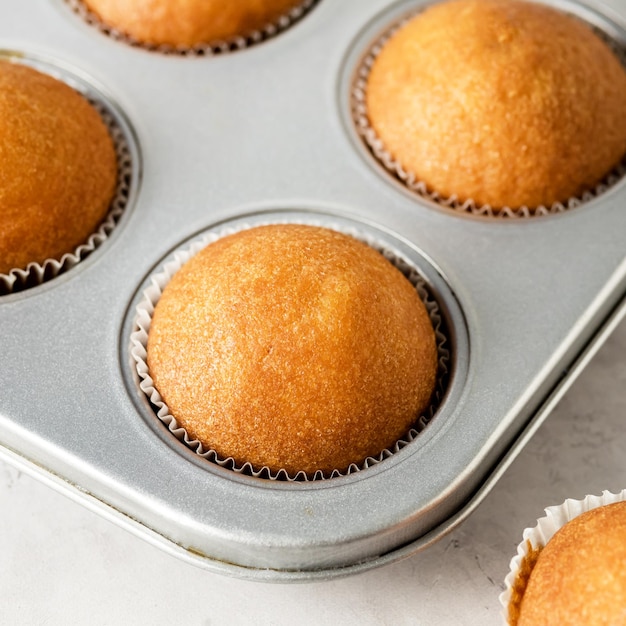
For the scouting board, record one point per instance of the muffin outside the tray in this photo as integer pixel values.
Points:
(503, 102)
(292, 347)
(59, 168)
(570, 571)
(189, 22)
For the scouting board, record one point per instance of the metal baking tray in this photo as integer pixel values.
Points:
(264, 134)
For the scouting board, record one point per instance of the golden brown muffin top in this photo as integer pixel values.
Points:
(58, 169)
(292, 346)
(189, 22)
(580, 575)
(505, 102)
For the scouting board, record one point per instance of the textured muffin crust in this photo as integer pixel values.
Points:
(189, 22)
(292, 347)
(58, 171)
(504, 102)
(579, 578)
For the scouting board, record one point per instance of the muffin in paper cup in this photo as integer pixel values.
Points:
(385, 158)
(208, 48)
(139, 340)
(35, 273)
(535, 539)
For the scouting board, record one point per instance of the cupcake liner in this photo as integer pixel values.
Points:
(209, 48)
(35, 274)
(535, 538)
(376, 148)
(138, 350)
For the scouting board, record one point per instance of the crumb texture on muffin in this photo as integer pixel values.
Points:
(58, 171)
(579, 578)
(504, 102)
(189, 22)
(292, 347)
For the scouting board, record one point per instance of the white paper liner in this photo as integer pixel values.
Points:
(538, 536)
(376, 147)
(35, 274)
(141, 328)
(209, 48)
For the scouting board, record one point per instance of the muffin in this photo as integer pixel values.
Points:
(578, 578)
(189, 22)
(502, 102)
(292, 347)
(58, 172)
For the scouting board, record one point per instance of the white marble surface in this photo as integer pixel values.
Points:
(61, 564)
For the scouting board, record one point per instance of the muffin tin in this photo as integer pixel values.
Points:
(265, 134)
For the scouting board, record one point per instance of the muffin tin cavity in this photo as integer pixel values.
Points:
(209, 48)
(353, 90)
(439, 301)
(128, 168)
